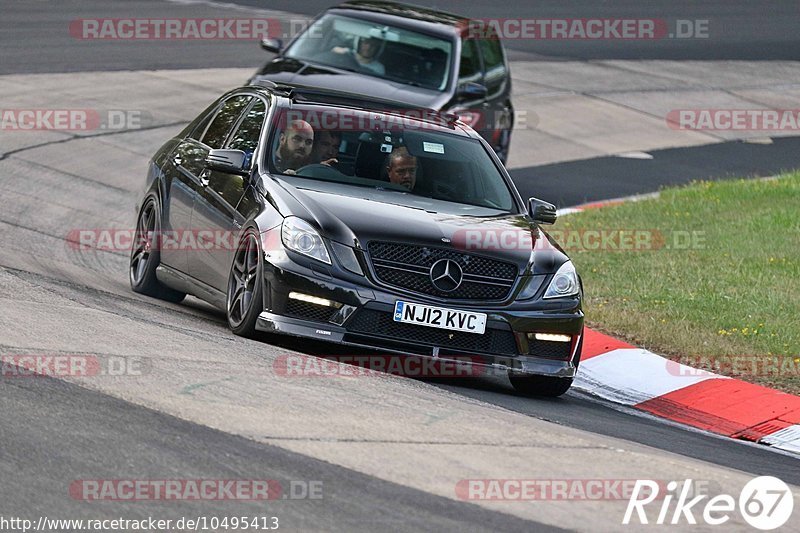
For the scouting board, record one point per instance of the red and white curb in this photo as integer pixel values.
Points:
(604, 203)
(623, 374)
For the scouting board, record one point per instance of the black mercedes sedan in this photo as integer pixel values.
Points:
(326, 216)
(414, 55)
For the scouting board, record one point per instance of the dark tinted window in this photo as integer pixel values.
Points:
(398, 54)
(246, 137)
(219, 128)
(495, 70)
(407, 161)
(470, 63)
(492, 53)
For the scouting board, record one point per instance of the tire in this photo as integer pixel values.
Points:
(546, 386)
(507, 125)
(144, 259)
(505, 145)
(244, 300)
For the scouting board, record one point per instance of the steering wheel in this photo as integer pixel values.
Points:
(445, 192)
(318, 170)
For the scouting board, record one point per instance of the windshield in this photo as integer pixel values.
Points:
(376, 50)
(393, 153)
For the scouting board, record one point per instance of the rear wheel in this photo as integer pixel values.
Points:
(245, 289)
(145, 256)
(502, 147)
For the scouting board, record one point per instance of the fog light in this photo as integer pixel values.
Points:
(313, 299)
(552, 337)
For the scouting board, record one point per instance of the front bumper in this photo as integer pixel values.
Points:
(362, 311)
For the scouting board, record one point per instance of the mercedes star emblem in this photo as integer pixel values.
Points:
(446, 275)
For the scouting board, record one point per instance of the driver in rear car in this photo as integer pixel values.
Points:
(402, 168)
(294, 147)
(365, 53)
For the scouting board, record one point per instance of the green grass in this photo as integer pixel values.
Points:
(734, 291)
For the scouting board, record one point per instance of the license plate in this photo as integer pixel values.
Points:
(439, 317)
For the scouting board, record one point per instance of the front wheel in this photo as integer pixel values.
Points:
(546, 386)
(245, 289)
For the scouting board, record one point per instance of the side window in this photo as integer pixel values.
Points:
(492, 54)
(219, 128)
(470, 66)
(249, 131)
(200, 128)
(495, 75)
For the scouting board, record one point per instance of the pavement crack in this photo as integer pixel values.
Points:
(77, 176)
(649, 114)
(66, 238)
(204, 334)
(74, 137)
(189, 389)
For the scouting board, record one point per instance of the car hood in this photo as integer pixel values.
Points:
(323, 77)
(366, 215)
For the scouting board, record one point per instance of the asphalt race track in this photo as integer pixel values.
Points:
(738, 30)
(387, 452)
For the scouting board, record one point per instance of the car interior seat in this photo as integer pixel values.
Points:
(370, 159)
(432, 67)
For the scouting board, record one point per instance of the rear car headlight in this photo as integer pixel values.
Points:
(564, 283)
(298, 236)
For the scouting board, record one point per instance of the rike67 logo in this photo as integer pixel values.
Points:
(765, 503)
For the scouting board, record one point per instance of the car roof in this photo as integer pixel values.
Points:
(406, 15)
(304, 95)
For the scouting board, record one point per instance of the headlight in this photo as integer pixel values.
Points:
(298, 236)
(564, 283)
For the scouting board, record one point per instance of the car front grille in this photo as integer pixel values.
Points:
(379, 324)
(408, 267)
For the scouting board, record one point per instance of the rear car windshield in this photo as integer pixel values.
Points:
(389, 152)
(376, 50)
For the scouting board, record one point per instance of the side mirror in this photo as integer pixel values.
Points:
(228, 161)
(472, 91)
(541, 211)
(272, 45)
